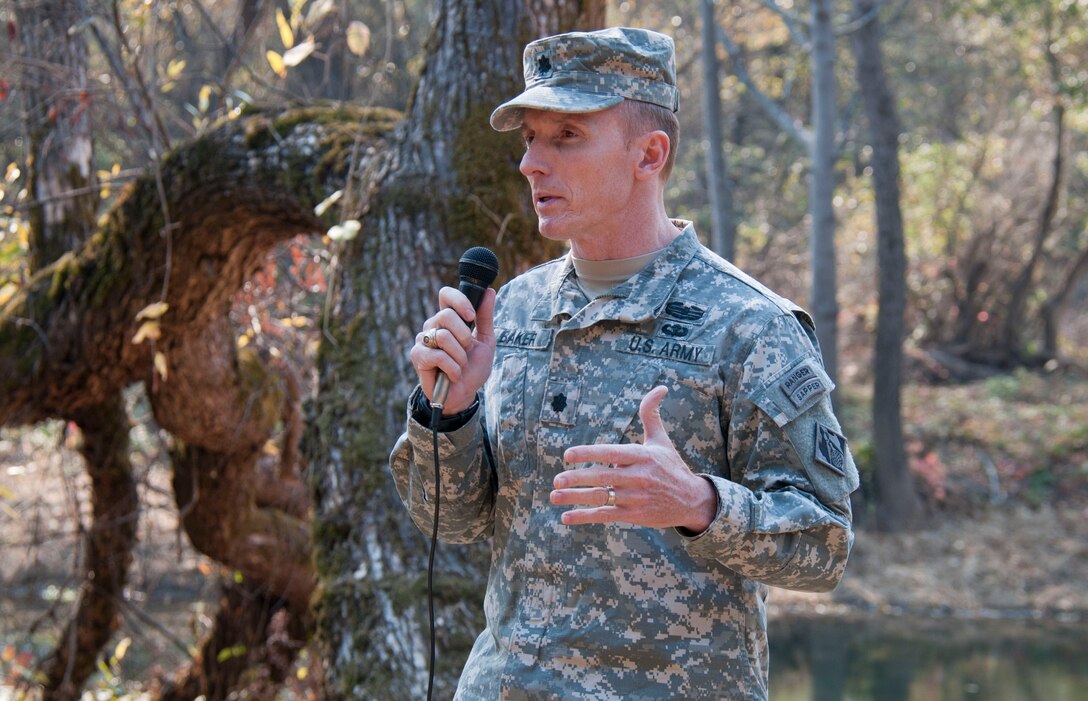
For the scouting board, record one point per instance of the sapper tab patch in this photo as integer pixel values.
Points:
(830, 449)
(801, 383)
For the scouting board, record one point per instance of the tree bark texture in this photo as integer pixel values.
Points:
(823, 297)
(447, 182)
(1058, 302)
(896, 500)
(107, 549)
(254, 642)
(723, 221)
(67, 348)
(60, 172)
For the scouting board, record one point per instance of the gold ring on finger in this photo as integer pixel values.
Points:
(429, 339)
(611, 497)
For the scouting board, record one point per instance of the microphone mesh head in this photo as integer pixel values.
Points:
(479, 264)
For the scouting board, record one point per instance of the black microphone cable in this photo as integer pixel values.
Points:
(436, 415)
(477, 269)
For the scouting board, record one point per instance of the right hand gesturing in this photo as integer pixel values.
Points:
(463, 355)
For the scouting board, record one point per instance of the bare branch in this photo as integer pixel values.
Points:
(860, 22)
(794, 24)
(773, 110)
(119, 70)
(236, 58)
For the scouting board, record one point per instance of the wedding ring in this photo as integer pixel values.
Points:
(611, 497)
(429, 340)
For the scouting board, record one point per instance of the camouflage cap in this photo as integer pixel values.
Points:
(591, 71)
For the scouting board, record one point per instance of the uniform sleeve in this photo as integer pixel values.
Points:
(468, 482)
(783, 507)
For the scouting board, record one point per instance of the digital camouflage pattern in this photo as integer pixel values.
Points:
(591, 71)
(618, 611)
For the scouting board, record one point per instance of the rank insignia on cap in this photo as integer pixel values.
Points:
(543, 66)
(830, 449)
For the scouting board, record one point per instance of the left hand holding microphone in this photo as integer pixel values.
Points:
(649, 486)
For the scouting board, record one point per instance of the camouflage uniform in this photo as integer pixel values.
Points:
(619, 611)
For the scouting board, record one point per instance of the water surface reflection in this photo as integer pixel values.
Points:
(900, 659)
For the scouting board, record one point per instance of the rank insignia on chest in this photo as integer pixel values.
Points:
(561, 398)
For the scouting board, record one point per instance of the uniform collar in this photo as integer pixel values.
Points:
(638, 299)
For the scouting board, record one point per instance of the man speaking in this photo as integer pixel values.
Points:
(643, 431)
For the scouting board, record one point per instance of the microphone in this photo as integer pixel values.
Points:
(477, 269)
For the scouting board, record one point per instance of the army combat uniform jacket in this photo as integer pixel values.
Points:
(618, 611)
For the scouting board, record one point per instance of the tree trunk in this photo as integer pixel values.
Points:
(1021, 289)
(1056, 304)
(895, 496)
(823, 296)
(107, 549)
(723, 222)
(63, 192)
(67, 349)
(448, 182)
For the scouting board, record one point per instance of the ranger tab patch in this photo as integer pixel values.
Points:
(802, 383)
(830, 449)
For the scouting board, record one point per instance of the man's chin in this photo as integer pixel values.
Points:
(552, 230)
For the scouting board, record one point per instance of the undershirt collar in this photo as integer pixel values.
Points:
(596, 277)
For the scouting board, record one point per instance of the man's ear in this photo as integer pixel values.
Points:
(655, 148)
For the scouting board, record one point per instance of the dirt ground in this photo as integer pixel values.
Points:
(1014, 561)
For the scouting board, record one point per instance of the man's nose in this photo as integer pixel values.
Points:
(532, 161)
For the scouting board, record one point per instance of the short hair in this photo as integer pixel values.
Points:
(642, 117)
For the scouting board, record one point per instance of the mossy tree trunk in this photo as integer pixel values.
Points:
(67, 349)
(447, 182)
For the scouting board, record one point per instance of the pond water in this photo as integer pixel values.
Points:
(870, 658)
(883, 658)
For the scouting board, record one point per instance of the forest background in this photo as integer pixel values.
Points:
(221, 222)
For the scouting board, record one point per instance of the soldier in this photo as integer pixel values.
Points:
(643, 431)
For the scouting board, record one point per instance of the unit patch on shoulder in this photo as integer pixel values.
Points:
(830, 449)
(801, 383)
(685, 311)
